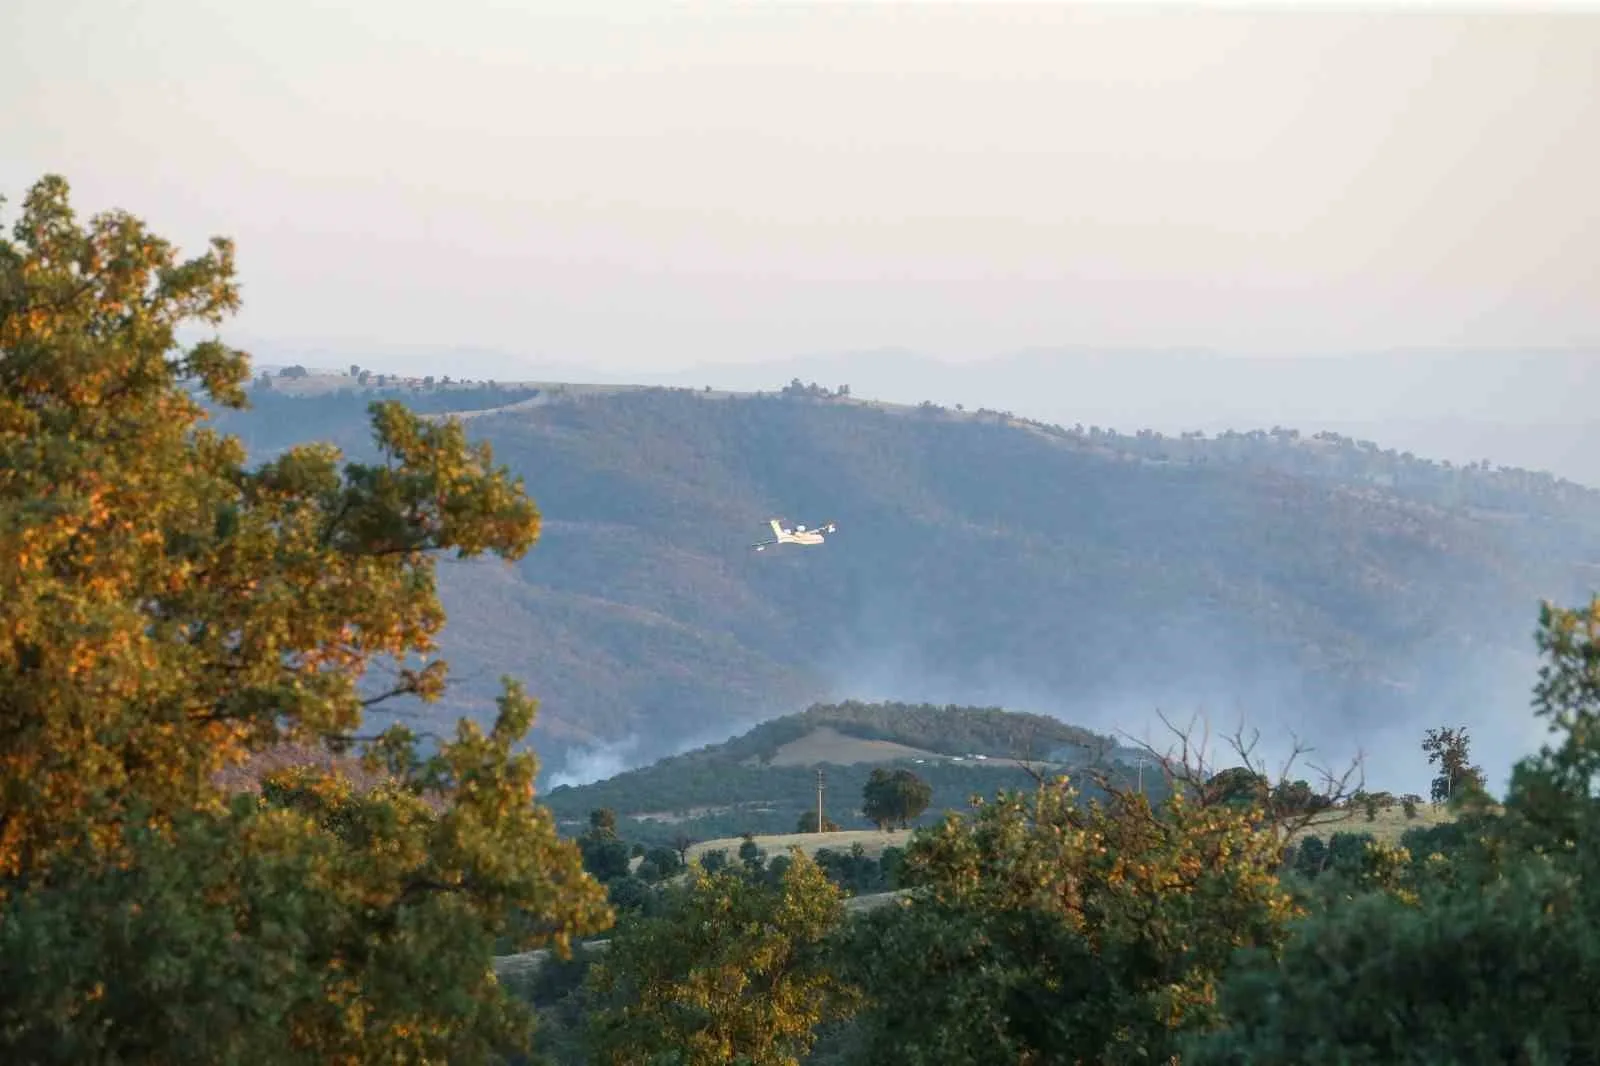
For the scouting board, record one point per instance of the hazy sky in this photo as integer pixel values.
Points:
(655, 184)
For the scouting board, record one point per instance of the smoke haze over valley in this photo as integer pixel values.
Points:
(1375, 224)
(1335, 591)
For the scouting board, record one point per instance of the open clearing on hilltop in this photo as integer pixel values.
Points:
(827, 745)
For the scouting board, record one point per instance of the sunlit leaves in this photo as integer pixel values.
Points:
(166, 613)
(732, 971)
(1141, 909)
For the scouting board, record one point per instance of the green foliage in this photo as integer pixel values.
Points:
(894, 797)
(1450, 750)
(731, 970)
(808, 824)
(660, 864)
(751, 855)
(169, 614)
(1474, 942)
(1043, 930)
(1504, 973)
(1291, 799)
(856, 872)
(1240, 786)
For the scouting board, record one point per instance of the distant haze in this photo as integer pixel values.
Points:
(646, 185)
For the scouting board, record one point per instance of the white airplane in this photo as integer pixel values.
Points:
(797, 535)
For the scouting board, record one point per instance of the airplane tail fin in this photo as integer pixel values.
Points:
(777, 527)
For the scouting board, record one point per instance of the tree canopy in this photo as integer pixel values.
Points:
(169, 613)
(894, 797)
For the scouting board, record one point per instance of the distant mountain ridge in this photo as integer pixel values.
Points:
(1321, 584)
(1514, 407)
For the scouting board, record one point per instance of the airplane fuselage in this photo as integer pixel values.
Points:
(797, 535)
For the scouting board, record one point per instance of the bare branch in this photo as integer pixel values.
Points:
(1190, 768)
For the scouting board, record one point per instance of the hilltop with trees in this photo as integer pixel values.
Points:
(764, 780)
(981, 558)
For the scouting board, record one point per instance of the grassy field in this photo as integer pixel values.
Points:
(828, 745)
(1387, 827)
(871, 840)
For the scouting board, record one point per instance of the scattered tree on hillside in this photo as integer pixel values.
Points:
(808, 824)
(1239, 786)
(894, 798)
(751, 854)
(171, 614)
(605, 854)
(1450, 750)
(731, 970)
(1496, 957)
(603, 823)
(660, 864)
(1293, 798)
(681, 843)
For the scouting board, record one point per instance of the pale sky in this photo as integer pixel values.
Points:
(653, 185)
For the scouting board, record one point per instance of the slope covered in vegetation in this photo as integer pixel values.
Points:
(744, 785)
(980, 558)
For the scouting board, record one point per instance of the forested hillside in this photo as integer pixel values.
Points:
(1322, 583)
(764, 780)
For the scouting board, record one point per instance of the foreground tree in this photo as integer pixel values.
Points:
(732, 970)
(1042, 929)
(1494, 957)
(167, 614)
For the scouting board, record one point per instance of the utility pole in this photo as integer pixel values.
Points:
(1141, 775)
(820, 787)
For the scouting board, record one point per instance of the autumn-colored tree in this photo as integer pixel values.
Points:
(1041, 929)
(167, 613)
(1451, 751)
(733, 970)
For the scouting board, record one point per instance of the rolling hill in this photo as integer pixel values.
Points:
(764, 780)
(1322, 584)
